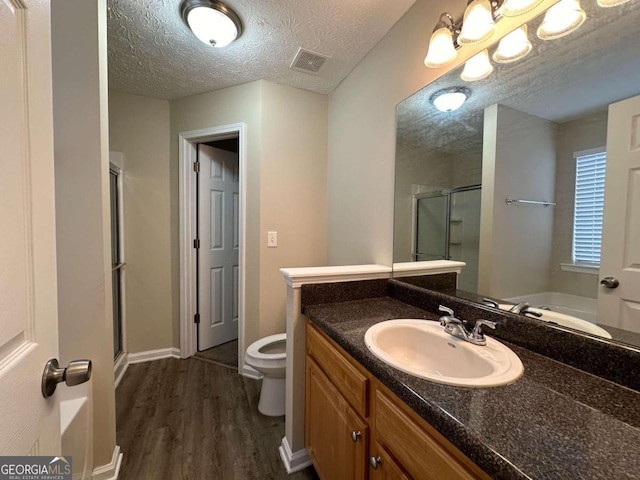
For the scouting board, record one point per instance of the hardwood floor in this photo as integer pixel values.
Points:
(193, 420)
(225, 354)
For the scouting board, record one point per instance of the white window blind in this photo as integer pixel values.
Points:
(589, 203)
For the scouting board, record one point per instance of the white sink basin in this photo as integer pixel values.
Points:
(566, 321)
(422, 348)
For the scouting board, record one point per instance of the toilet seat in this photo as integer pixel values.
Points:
(254, 349)
(273, 368)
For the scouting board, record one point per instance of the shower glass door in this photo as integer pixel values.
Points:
(432, 225)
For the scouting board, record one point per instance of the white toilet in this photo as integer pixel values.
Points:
(268, 356)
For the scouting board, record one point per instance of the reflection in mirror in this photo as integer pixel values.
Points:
(534, 182)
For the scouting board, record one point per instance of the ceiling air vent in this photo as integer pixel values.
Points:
(309, 62)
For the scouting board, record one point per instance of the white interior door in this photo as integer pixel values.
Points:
(219, 205)
(28, 305)
(620, 257)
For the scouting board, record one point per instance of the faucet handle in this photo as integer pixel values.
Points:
(447, 310)
(476, 333)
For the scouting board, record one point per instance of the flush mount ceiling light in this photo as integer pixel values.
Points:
(513, 8)
(450, 99)
(513, 46)
(442, 51)
(477, 67)
(563, 18)
(478, 23)
(211, 21)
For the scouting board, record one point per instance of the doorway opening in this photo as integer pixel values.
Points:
(218, 238)
(212, 243)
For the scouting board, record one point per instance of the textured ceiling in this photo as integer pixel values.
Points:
(153, 53)
(560, 80)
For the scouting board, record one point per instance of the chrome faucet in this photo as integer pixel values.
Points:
(523, 309)
(456, 327)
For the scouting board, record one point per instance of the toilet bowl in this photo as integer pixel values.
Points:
(269, 356)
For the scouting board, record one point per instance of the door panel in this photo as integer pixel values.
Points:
(28, 305)
(621, 225)
(219, 240)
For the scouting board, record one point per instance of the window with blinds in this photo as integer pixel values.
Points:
(589, 203)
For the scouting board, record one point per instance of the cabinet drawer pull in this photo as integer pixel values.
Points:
(355, 436)
(375, 462)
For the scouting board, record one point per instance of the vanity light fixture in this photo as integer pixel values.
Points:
(211, 21)
(442, 50)
(478, 24)
(450, 99)
(513, 46)
(477, 67)
(611, 3)
(513, 8)
(563, 18)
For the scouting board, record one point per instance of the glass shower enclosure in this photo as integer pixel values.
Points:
(447, 227)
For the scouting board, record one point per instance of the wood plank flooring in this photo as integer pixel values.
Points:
(225, 354)
(193, 420)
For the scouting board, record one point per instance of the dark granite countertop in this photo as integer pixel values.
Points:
(556, 422)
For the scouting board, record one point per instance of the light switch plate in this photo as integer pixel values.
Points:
(272, 239)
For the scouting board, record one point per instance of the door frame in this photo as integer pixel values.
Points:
(116, 165)
(187, 146)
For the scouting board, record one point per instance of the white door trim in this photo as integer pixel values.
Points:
(187, 156)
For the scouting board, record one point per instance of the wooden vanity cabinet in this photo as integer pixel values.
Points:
(356, 428)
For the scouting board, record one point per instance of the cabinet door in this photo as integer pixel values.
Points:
(384, 467)
(335, 436)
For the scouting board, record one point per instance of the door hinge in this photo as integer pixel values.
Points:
(196, 166)
(196, 243)
(196, 318)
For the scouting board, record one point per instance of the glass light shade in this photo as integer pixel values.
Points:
(212, 27)
(513, 8)
(513, 47)
(441, 50)
(564, 17)
(451, 99)
(611, 3)
(478, 24)
(477, 67)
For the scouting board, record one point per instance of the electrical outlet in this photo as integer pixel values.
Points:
(272, 239)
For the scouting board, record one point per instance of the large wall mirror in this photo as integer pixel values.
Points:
(534, 182)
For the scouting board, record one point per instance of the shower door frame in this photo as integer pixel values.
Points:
(447, 192)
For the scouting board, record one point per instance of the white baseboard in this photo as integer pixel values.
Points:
(127, 359)
(293, 461)
(151, 355)
(119, 368)
(251, 372)
(111, 470)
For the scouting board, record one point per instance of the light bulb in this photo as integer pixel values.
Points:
(441, 50)
(513, 8)
(477, 67)
(564, 17)
(513, 47)
(477, 24)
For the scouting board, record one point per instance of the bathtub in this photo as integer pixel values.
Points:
(76, 425)
(581, 307)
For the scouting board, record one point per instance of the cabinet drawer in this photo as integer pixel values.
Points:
(419, 453)
(350, 382)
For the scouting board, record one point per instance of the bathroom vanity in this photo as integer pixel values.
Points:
(355, 425)
(365, 419)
